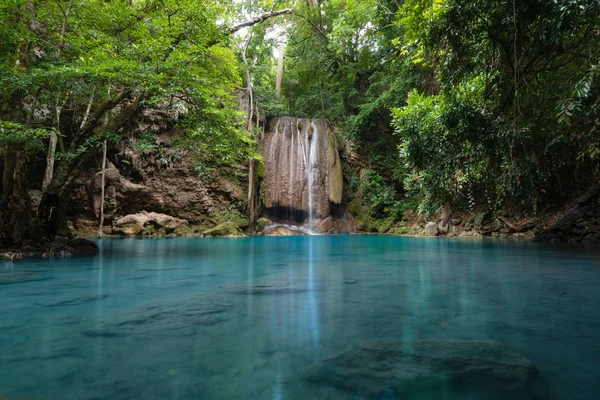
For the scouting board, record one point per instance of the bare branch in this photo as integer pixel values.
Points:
(259, 19)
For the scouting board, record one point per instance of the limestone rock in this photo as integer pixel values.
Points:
(130, 229)
(434, 369)
(443, 227)
(135, 224)
(280, 230)
(325, 226)
(262, 223)
(431, 229)
(138, 180)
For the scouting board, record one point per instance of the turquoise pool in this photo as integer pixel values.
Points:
(317, 317)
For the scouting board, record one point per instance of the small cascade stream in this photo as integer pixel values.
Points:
(300, 157)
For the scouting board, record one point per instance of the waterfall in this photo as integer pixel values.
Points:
(302, 171)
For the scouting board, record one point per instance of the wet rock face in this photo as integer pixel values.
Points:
(303, 172)
(431, 369)
(332, 225)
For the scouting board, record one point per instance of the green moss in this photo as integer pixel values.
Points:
(400, 230)
(262, 223)
(260, 168)
(229, 213)
(131, 229)
(224, 229)
(385, 226)
(183, 230)
(336, 177)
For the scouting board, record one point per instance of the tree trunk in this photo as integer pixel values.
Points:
(10, 163)
(279, 70)
(52, 210)
(63, 30)
(446, 212)
(50, 160)
(15, 212)
(251, 210)
(101, 211)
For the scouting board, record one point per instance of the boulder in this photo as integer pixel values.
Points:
(227, 228)
(148, 222)
(408, 215)
(10, 256)
(326, 225)
(431, 229)
(262, 223)
(443, 227)
(129, 229)
(392, 368)
(280, 230)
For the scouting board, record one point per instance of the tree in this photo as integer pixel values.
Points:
(88, 70)
(505, 121)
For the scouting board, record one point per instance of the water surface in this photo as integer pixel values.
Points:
(285, 318)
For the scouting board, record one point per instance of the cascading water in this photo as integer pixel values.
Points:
(302, 174)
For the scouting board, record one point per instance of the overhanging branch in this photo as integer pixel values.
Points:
(259, 19)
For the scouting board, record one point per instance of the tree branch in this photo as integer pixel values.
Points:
(259, 19)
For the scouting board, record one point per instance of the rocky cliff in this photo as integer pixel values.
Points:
(157, 180)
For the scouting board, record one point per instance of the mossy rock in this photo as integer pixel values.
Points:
(385, 226)
(228, 228)
(336, 177)
(260, 168)
(362, 222)
(129, 229)
(183, 230)
(354, 207)
(149, 230)
(479, 218)
(198, 229)
(400, 230)
(262, 223)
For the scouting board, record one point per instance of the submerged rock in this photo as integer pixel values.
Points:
(74, 301)
(19, 277)
(431, 369)
(264, 288)
(74, 247)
